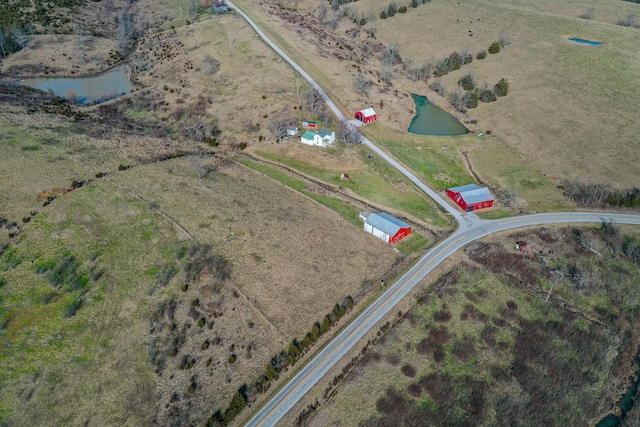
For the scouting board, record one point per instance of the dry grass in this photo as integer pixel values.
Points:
(489, 309)
(270, 239)
(567, 111)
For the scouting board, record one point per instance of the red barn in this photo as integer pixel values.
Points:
(366, 116)
(471, 197)
(385, 227)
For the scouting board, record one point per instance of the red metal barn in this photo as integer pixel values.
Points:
(367, 115)
(471, 197)
(386, 227)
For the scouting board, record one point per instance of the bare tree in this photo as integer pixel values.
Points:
(211, 65)
(467, 56)
(279, 124)
(139, 62)
(361, 84)
(504, 39)
(313, 99)
(437, 86)
(19, 37)
(3, 44)
(456, 98)
(348, 133)
(631, 20)
(333, 20)
(71, 96)
(372, 29)
(387, 72)
(589, 14)
(322, 13)
(371, 15)
(198, 129)
(198, 163)
(391, 53)
(125, 31)
(29, 28)
(422, 72)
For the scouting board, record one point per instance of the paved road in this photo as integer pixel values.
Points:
(313, 372)
(470, 228)
(463, 219)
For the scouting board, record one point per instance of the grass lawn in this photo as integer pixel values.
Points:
(369, 179)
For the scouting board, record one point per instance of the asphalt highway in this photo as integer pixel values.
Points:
(470, 229)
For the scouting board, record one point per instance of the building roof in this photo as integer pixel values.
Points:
(386, 223)
(367, 112)
(325, 134)
(472, 193)
(308, 135)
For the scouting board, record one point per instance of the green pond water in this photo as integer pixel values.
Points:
(431, 120)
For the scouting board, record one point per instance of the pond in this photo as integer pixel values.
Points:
(584, 41)
(85, 90)
(431, 120)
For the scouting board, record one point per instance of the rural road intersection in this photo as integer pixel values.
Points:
(470, 228)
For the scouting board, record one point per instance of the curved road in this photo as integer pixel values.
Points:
(313, 372)
(471, 228)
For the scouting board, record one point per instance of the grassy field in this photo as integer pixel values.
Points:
(154, 293)
(369, 178)
(121, 237)
(481, 346)
(566, 114)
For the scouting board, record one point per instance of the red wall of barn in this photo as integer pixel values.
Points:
(453, 196)
(401, 234)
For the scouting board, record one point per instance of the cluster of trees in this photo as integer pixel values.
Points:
(468, 94)
(279, 362)
(17, 20)
(600, 195)
(393, 8)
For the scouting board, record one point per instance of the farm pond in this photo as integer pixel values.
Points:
(584, 41)
(85, 90)
(431, 120)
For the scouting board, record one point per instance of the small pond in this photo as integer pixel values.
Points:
(431, 120)
(85, 90)
(584, 41)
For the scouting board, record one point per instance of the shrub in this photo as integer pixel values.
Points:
(487, 95)
(471, 99)
(383, 15)
(455, 61)
(362, 24)
(392, 9)
(414, 3)
(467, 82)
(495, 47)
(481, 55)
(232, 359)
(402, 9)
(501, 88)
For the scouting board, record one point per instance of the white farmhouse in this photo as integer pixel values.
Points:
(321, 138)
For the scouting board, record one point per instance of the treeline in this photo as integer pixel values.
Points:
(279, 363)
(600, 195)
